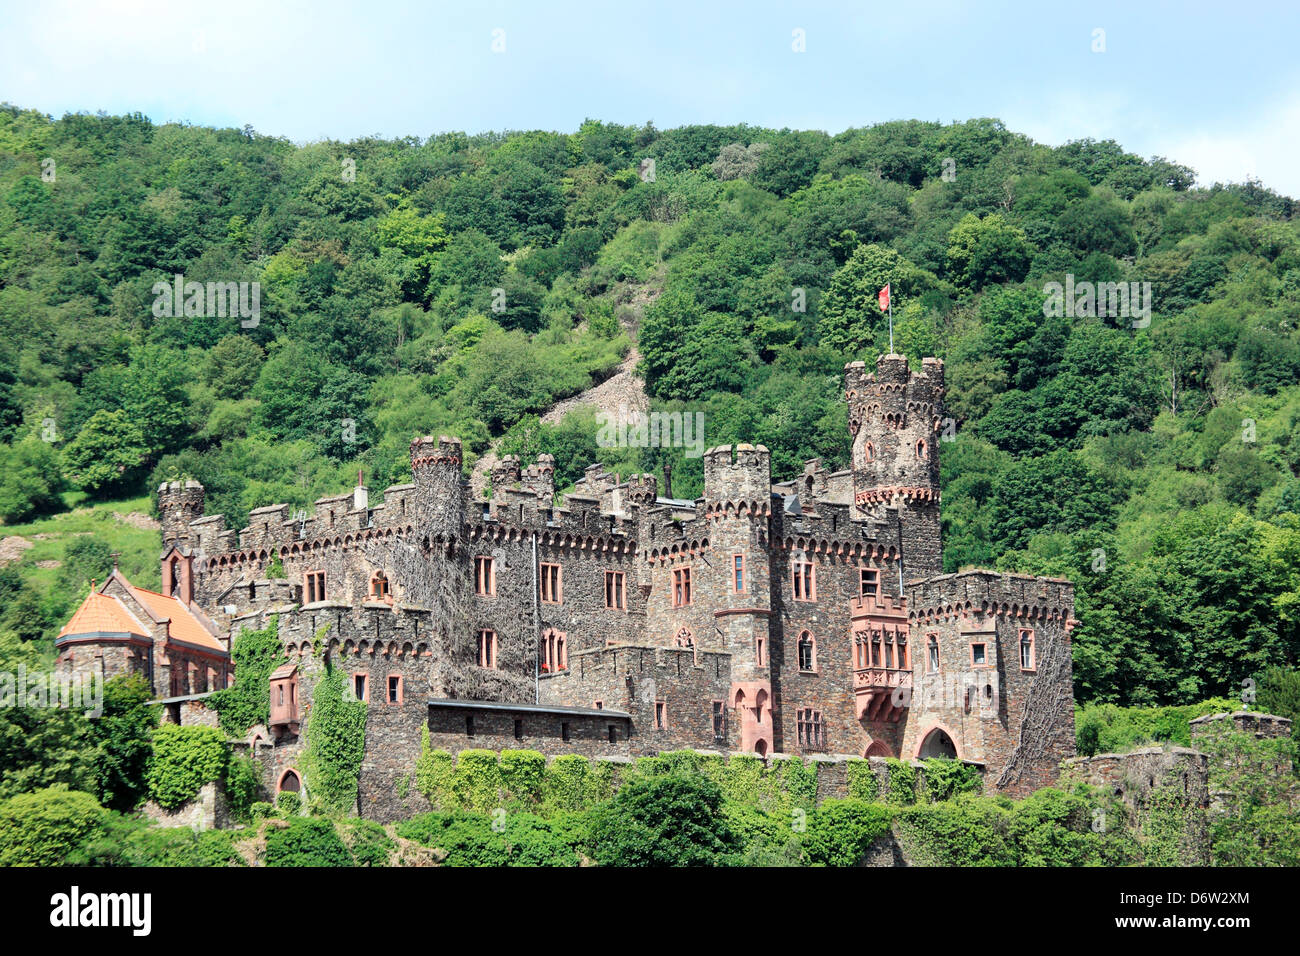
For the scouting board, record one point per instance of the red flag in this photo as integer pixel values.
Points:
(884, 299)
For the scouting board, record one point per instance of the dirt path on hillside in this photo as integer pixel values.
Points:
(623, 391)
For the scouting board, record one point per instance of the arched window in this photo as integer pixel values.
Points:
(1026, 649)
(933, 649)
(869, 452)
(807, 652)
(920, 448)
(290, 782)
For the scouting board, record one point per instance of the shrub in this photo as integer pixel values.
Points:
(306, 841)
(243, 783)
(667, 820)
(841, 831)
(368, 841)
(476, 782)
(288, 803)
(521, 774)
(183, 760)
(945, 778)
(467, 838)
(531, 841)
(43, 828)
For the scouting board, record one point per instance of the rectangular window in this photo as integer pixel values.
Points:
(979, 655)
(869, 583)
(519, 729)
(613, 734)
(359, 686)
(487, 649)
(719, 721)
(758, 652)
(550, 583)
(600, 705)
(1026, 649)
(485, 577)
(809, 726)
(469, 725)
(681, 587)
(661, 715)
(394, 689)
(564, 731)
(615, 590)
(804, 582)
(315, 586)
(738, 573)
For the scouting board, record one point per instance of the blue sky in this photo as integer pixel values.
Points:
(1215, 86)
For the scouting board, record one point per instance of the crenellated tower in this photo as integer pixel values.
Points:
(179, 503)
(895, 418)
(439, 487)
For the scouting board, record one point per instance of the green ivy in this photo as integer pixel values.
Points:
(183, 760)
(862, 782)
(522, 774)
(946, 778)
(243, 783)
(256, 653)
(433, 773)
(841, 831)
(476, 782)
(336, 742)
(902, 782)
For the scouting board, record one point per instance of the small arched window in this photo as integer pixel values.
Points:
(379, 587)
(921, 448)
(869, 452)
(290, 782)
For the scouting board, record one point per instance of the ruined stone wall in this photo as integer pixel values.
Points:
(1136, 778)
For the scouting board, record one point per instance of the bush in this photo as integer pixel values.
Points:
(260, 810)
(43, 828)
(306, 841)
(369, 842)
(841, 831)
(666, 820)
(288, 803)
(969, 831)
(945, 778)
(183, 760)
(522, 773)
(467, 838)
(243, 783)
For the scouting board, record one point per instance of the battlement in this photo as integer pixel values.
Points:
(1017, 596)
(427, 451)
(179, 504)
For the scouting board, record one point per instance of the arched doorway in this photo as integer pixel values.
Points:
(937, 743)
(290, 782)
(760, 748)
(878, 748)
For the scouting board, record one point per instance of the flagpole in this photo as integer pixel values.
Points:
(890, 287)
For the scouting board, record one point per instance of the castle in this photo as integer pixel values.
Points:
(801, 617)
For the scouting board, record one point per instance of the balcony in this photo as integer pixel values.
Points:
(882, 693)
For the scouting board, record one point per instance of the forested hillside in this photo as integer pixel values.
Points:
(464, 284)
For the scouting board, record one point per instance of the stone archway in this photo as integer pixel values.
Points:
(937, 743)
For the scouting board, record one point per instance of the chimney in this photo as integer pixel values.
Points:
(360, 495)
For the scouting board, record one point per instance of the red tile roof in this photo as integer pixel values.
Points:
(101, 614)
